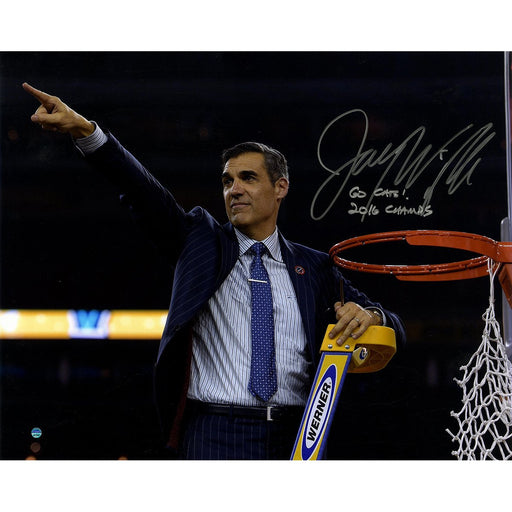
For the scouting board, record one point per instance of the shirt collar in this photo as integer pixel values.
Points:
(271, 243)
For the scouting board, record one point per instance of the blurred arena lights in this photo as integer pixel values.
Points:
(82, 324)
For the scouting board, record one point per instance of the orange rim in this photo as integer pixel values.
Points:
(499, 252)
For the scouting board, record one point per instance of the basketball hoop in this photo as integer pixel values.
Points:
(499, 252)
(485, 420)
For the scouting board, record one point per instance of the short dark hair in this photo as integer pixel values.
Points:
(275, 162)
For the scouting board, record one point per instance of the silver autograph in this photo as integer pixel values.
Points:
(452, 164)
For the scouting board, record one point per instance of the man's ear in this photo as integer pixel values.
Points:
(281, 186)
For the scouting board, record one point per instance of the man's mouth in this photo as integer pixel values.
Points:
(238, 206)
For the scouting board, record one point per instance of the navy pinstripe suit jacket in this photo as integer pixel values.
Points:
(203, 253)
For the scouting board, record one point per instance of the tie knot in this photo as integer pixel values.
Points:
(258, 248)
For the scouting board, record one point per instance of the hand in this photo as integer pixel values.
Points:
(353, 320)
(56, 116)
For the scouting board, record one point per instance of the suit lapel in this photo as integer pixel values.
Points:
(300, 275)
(229, 253)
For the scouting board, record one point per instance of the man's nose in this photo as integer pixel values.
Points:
(237, 188)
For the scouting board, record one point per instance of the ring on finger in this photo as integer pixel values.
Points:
(357, 320)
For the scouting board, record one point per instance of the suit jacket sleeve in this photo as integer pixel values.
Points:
(150, 203)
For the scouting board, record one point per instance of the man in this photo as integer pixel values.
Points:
(248, 308)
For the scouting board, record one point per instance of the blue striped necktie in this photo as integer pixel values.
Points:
(263, 379)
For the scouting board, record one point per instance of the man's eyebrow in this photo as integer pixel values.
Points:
(248, 172)
(244, 174)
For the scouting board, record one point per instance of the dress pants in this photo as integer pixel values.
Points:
(228, 437)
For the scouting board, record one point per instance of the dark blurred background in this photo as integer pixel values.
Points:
(67, 242)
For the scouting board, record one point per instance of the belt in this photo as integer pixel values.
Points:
(268, 413)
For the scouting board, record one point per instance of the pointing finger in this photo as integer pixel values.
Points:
(39, 95)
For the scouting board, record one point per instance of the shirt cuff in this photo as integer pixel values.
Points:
(89, 144)
(383, 316)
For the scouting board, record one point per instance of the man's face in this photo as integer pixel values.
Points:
(251, 200)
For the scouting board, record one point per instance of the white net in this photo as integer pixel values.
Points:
(485, 420)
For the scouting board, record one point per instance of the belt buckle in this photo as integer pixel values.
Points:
(269, 413)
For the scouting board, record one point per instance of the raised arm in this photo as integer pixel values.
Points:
(150, 203)
(54, 115)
